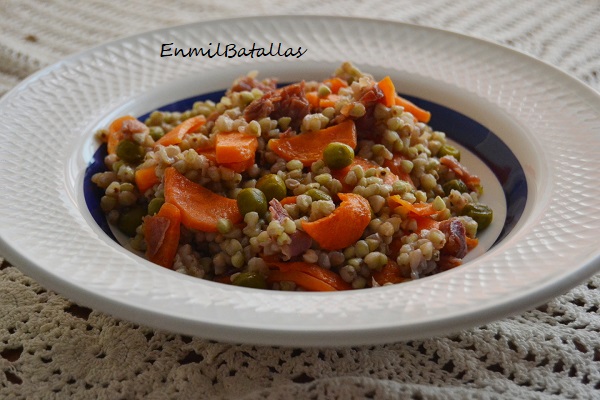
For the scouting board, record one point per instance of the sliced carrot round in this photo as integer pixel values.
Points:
(308, 147)
(176, 135)
(201, 209)
(344, 226)
(331, 278)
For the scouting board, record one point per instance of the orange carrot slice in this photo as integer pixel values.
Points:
(329, 277)
(235, 147)
(389, 91)
(344, 226)
(420, 209)
(313, 99)
(471, 242)
(176, 135)
(288, 200)
(162, 233)
(145, 178)
(395, 165)
(241, 166)
(308, 147)
(420, 114)
(426, 222)
(390, 273)
(328, 101)
(200, 208)
(335, 84)
(301, 279)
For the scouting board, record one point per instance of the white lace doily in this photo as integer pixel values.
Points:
(53, 348)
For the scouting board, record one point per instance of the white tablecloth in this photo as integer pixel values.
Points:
(53, 348)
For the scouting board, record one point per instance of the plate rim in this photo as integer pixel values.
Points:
(530, 298)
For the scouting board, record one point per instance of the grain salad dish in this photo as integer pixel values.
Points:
(312, 186)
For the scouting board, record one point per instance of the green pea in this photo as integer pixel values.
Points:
(455, 184)
(252, 199)
(251, 280)
(447, 150)
(130, 151)
(338, 155)
(130, 219)
(273, 186)
(224, 226)
(155, 205)
(156, 132)
(316, 194)
(480, 213)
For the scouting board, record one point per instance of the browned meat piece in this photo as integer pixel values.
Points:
(132, 126)
(157, 226)
(300, 241)
(456, 238)
(277, 211)
(369, 96)
(288, 101)
(248, 83)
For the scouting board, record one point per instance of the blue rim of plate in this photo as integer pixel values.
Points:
(478, 139)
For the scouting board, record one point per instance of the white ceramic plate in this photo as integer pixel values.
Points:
(542, 142)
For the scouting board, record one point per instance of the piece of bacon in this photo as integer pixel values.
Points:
(247, 83)
(157, 227)
(370, 96)
(456, 237)
(133, 126)
(277, 211)
(300, 241)
(288, 101)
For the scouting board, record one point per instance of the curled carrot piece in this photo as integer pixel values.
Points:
(329, 277)
(420, 114)
(162, 232)
(177, 134)
(308, 147)
(344, 226)
(301, 279)
(200, 208)
(420, 209)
